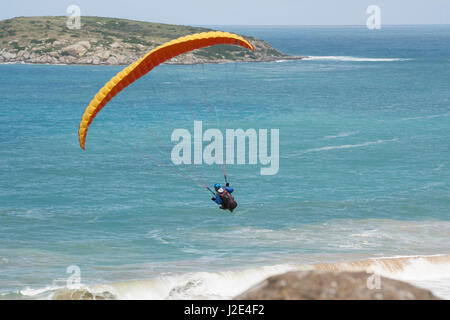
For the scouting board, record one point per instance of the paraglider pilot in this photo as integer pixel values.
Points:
(224, 198)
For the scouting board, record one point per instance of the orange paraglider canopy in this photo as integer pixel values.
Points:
(152, 59)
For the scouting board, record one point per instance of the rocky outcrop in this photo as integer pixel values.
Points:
(323, 285)
(78, 49)
(84, 54)
(109, 41)
(82, 294)
(8, 56)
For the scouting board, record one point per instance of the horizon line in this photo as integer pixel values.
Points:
(243, 25)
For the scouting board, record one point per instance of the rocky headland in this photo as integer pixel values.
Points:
(110, 41)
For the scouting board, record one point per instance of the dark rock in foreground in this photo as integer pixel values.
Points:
(322, 285)
(82, 294)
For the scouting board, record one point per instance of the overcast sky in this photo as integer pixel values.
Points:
(242, 12)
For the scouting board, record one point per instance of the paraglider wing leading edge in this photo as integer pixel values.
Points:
(145, 64)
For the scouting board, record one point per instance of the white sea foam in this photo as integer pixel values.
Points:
(431, 272)
(354, 59)
(428, 117)
(30, 292)
(347, 146)
(157, 235)
(198, 285)
(341, 135)
(378, 235)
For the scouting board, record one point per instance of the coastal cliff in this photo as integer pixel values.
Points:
(111, 41)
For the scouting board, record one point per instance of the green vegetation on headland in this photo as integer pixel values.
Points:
(110, 41)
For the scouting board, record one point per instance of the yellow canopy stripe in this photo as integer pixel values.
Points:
(152, 59)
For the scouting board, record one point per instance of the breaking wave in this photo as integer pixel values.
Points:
(431, 272)
(197, 285)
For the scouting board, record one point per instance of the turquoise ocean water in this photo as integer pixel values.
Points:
(364, 167)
